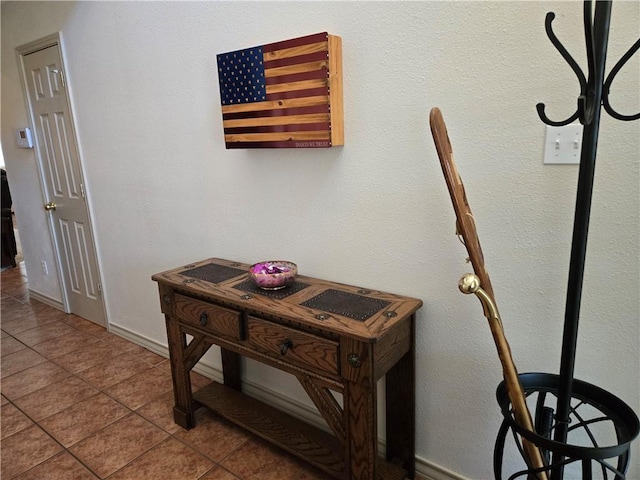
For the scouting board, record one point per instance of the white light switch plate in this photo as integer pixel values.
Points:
(562, 145)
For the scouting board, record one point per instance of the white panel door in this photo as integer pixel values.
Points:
(65, 202)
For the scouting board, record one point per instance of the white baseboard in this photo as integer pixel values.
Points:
(52, 302)
(424, 468)
(138, 339)
(431, 471)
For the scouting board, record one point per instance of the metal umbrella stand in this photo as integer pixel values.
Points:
(602, 425)
(589, 429)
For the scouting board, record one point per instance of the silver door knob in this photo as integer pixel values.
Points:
(50, 206)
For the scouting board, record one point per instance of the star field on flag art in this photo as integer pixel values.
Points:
(241, 76)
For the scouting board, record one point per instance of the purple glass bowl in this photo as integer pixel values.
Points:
(273, 274)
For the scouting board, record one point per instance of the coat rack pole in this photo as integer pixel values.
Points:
(592, 105)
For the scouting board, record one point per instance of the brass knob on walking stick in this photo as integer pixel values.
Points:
(470, 283)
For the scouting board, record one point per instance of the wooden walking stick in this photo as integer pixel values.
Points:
(480, 284)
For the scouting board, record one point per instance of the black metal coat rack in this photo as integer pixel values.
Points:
(594, 94)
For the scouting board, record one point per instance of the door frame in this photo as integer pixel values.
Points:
(21, 52)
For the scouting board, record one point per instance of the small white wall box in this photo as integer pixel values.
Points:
(23, 137)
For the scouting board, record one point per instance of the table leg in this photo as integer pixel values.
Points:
(183, 412)
(231, 369)
(400, 410)
(362, 437)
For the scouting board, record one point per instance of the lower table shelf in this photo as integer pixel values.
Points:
(305, 441)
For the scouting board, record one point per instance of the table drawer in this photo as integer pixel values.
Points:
(206, 316)
(293, 346)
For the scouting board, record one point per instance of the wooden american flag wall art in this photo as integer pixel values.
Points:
(286, 94)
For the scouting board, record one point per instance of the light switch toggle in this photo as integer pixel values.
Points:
(563, 144)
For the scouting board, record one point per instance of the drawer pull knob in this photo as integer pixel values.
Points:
(166, 299)
(354, 360)
(204, 318)
(286, 345)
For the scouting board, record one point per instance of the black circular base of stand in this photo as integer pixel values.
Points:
(601, 429)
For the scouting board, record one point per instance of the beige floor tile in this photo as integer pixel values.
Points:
(219, 473)
(146, 355)
(25, 297)
(13, 310)
(32, 379)
(10, 345)
(14, 282)
(43, 333)
(64, 344)
(115, 446)
(3, 400)
(83, 419)
(170, 459)
(164, 365)
(141, 388)
(9, 281)
(19, 361)
(15, 287)
(79, 360)
(258, 460)
(120, 343)
(55, 397)
(198, 381)
(35, 318)
(12, 420)
(25, 450)
(160, 412)
(10, 286)
(9, 304)
(213, 436)
(61, 467)
(85, 326)
(114, 371)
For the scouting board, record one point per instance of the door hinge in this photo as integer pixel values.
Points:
(99, 288)
(82, 190)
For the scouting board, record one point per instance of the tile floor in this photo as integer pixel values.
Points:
(80, 403)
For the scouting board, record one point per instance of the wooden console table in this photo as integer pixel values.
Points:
(332, 337)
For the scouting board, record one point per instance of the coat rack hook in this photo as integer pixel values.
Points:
(607, 85)
(576, 69)
(543, 116)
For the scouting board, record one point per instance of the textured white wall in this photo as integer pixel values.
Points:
(376, 212)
